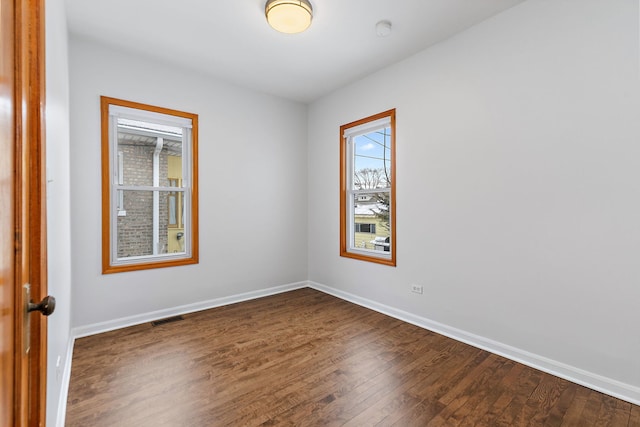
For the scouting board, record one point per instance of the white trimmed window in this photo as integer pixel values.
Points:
(367, 189)
(149, 184)
(365, 228)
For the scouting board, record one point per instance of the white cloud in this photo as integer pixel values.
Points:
(367, 147)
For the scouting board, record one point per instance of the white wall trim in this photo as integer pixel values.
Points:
(591, 380)
(64, 386)
(110, 325)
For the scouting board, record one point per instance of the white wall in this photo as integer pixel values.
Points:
(518, 187)
(58, 202)
(252, 157)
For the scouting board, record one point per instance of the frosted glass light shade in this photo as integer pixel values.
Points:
(289, 16)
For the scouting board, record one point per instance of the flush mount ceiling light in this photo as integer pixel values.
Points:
(289, 16)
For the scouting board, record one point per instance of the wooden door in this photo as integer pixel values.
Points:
(22, 216)
(7, 209)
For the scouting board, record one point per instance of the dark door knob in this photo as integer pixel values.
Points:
(46, 306)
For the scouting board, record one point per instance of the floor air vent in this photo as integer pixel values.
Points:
(167, 320)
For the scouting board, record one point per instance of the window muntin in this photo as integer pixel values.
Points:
(149, 184)
(367, 182)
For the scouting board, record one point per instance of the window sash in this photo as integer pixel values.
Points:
(351, 191)
(367, 127)
(186, 224)
(117, 174)
(351, 153)
(120, 111)
(351, 243)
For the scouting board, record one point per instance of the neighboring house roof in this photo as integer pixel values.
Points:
(133, 132)
(368, 208)
(164, 130)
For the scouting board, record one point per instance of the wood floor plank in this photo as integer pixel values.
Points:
(480, 394)
(592, 408)
(371, 388)
(605, 413)
(543, 399)
(458, 396)
(573, 414)
(558, 411)
(513, 411)
(506, 391)
(374, 392)
(411, 388)
(622, 414)
(308, 358)
(634, 416)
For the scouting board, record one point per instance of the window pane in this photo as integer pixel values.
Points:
(372, 160)
(140, 232)
(173, 214)
(371, 222)
(174, 164)
(147, 151)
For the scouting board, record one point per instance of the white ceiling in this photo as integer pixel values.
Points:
(232, 40)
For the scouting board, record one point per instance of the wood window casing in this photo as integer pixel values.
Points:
(349, 195)
(108, 211)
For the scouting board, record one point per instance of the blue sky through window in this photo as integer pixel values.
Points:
(373, 151)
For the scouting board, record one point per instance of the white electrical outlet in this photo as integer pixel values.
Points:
(417, 289)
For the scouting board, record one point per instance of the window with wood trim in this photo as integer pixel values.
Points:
(367, 189)
(149, 186)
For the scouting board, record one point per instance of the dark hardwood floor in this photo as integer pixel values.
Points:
(306, 358)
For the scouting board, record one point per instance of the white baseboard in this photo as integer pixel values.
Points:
(110, 325)
(64, 386)
(591, 380)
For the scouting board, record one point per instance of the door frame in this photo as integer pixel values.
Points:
(23, 396)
